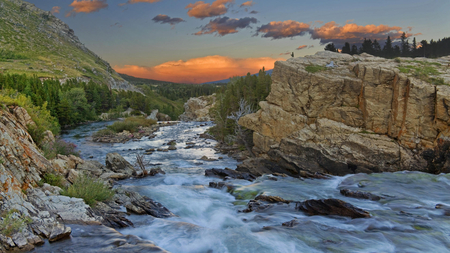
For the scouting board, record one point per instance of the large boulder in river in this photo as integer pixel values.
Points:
(331, 207)
(197, 108)
(118, 164)
(362, 115)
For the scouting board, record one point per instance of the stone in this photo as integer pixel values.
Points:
(155, 171)
(290, 224)
(229, 173)
(221, 185)
(205, 158)
(359, 194)
(197, 108)
(272, 199)
(93, 168)
(59, 232)
(118, 164)
(72, 175)
(138, 204)
(331, 207)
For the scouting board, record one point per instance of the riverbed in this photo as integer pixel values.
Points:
(209, 220)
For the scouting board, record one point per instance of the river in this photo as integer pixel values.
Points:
(208, 220)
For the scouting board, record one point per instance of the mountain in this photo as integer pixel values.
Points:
(139, 81)
(35, 42)
(227, 80)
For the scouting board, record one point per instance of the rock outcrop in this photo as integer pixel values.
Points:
(197, 108)
(362, 115)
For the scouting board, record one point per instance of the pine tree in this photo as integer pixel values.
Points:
(346, 48)
(387, 49)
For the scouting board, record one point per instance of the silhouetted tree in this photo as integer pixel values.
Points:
(331, 47)
(346, 48)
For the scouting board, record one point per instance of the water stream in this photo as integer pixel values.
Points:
(208, 220)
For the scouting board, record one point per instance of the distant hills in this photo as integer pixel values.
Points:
(227, 80)
(35, 42)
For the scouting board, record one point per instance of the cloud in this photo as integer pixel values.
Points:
(200, 70)
(203, 10)
(139, 1)
(353, 33)
(287, 53)
(164, 19)
(284, 29)
(86, 6)
(225, 25)
(247, 4)
(55, 9)
(301, 47)
(253, 12)
(330, 32)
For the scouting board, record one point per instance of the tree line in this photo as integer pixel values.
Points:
(404, 48)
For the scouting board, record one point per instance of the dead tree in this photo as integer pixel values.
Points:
(244, 109)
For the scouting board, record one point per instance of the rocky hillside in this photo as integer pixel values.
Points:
(359, 114)
(34, 41)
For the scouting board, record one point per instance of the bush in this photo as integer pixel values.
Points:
(315, 68)
(89, 189)
(51, 179)
(51, 149)
(103, 132)
(131, 124)
(12, 222)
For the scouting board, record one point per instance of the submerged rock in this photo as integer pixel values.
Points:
(331, 207)
(359, 194)
(224, 173)
(118, 164)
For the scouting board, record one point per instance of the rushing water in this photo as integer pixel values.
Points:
(208, 220)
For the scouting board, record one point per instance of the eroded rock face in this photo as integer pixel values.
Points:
(363, 115)
(197, 108)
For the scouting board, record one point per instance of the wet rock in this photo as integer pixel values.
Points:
(118, 164)
(59, 232)
(221, 185)
(206, 136)
(290, 224)
(114, 176)
(138, 204)
(205, 158)
(446, 209)
(172, 148)
(190, 143)
(189, 146)
(331, 207)
(256, 205)
(272, 199)
(150, 150)
(111, 216)
(224, 173)
(359, 194)
(155, 171)
(172, 142)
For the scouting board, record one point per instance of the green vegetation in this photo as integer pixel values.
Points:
(52, 179)
(315, 68)
(130, 124)
(251, 89)
(89, 189)
(423, 71)
(59, 146)
(9, 55)
(12, 222)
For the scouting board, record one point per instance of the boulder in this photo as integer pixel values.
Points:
(163, 117)
(359, 194)
(138, 204)
(59, 232)
(153, 115)
(331, 207)
(229, 173)
(197, 108)
(118, 164)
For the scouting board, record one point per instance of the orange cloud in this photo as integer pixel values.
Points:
(283, 29)
(200, 70)
(301, 47)
(55, 9)
(203, 10)
(139, 1)
(247, 4)
(86, 6)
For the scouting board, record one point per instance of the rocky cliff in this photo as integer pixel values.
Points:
(197, 108)
(37, 42)
(359, 114)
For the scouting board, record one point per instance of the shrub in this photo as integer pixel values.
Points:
(12, 222)
(89, 189)
(131, 124)
(103, 132)
(51, 179)
(315, 68)
(51, 149)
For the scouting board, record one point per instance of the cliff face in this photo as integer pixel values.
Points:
(361, 115)
(197, 108)
(44, 45)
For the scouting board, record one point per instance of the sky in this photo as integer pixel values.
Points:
(192, 41)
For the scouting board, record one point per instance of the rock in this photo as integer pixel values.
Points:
(118, 164)
(363, 116)
(189, 146)
(155, 171)
(205, 158)
(221, 185)
(172, 148)
(138, 204)
(163, 117)
(59, 232)
(257, 206)
(111, 217)
(150, 150)
(224, 173)
(93, 168)
(446, 208)
(153, 115)
(22, 116)
(331, 207)
(359, 194)
(206, 136)
(291, 223)
(197, 108)
(72, 175)
(272, 199)
(115, 176)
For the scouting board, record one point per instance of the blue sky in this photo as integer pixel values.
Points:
(235, 39)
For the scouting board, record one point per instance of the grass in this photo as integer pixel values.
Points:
(130, 124)
(12, 222)
(51, 179)
(89, 189)
(315, 68)
(423, 72)
(51, 149)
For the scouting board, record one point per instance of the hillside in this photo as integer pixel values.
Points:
(140, 81)
(227, 80)
(35, 42)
